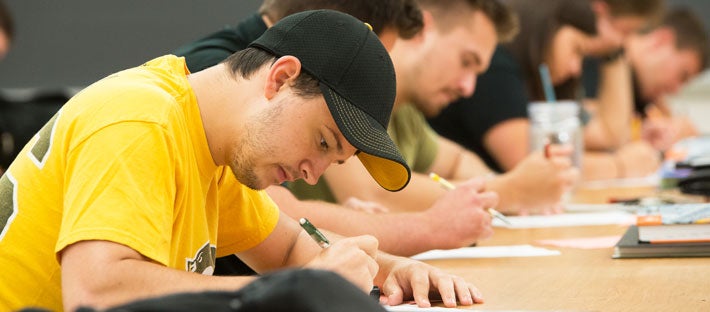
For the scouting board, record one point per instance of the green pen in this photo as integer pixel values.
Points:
(314, 233)
(325, 243)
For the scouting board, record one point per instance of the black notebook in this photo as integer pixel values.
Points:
(630, 247)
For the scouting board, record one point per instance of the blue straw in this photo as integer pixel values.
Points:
(547, 83)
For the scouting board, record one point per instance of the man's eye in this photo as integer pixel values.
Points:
(324, 144)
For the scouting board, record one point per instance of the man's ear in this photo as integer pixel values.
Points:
(281, 73)
(428, 25)
(663, 36)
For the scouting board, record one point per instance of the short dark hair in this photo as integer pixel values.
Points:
(6, 23)
(246, 62)
(689, 32)
(402, 15)
(651, 10)
(504, 19)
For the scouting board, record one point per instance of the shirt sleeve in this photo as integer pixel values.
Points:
(120, 188)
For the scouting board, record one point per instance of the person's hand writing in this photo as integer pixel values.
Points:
(537, 184)
(409, 279)
(460, 218)
(353, 258)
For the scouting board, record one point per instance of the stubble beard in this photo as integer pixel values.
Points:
(254, 145)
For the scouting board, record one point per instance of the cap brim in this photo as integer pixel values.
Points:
(378, 153)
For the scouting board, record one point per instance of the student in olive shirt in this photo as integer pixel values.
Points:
(433, 68)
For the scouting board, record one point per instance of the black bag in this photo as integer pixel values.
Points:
(288, 290)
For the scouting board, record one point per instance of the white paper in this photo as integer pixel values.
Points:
(568, 219)
(486, 252)
(647, 181)
(573, 207)
(414, 307)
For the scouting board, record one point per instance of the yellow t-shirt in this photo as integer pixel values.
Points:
(126, 160)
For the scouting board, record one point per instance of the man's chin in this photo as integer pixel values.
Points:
(258, 185)
(251, 182)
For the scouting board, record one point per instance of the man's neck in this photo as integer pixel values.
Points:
(398, 104)
(222, 100)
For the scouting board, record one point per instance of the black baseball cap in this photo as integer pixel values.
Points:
(357, 78)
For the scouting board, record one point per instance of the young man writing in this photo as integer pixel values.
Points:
(130, 189)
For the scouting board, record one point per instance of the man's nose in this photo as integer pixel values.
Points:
(468, 84)
(312, 170)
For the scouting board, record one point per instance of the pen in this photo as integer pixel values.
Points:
(314, 233)
(325, 243)
(548, 88)
(447, 185)
(625, 201)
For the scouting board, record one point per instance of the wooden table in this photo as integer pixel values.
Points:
(584, 279)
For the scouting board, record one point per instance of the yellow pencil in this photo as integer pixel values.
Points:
(449, 186)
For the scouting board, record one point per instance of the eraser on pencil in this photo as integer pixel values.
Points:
(546, 149)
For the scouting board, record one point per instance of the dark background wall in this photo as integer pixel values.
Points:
(72, 43)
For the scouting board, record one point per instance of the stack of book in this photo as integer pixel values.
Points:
(669, 230)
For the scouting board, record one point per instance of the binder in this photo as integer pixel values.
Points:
(674, 223)
(629, 246)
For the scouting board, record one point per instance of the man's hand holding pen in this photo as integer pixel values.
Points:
(351, 257)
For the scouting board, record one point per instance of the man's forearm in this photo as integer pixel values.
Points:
(404, 233)
(118, 275)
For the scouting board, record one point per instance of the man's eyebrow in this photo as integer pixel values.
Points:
(477, 61)
(477, 58)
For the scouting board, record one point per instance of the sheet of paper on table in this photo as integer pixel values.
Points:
(486, 252)
(415, 308)
(569, 219)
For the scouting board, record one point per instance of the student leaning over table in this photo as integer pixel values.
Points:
(398, 233)
(130, 189)
(653, 64)
(433, 68)
(494, 121)
(610, 114)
